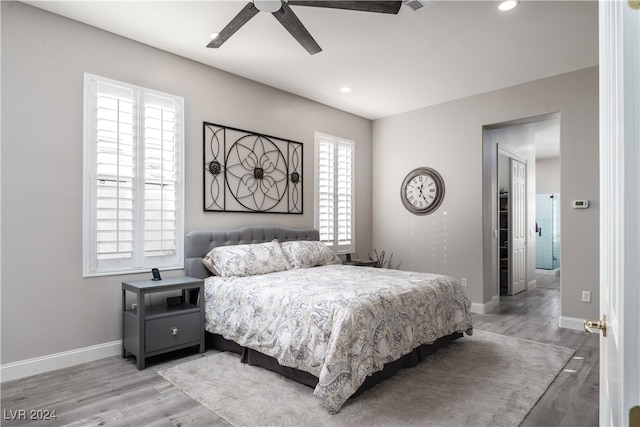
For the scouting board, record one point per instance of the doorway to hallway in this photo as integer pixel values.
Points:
(536, 142)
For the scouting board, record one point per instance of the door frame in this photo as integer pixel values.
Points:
(491, 286)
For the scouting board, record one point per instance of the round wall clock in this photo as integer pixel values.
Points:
(422, 191)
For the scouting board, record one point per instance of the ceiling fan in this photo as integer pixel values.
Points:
(282, 11)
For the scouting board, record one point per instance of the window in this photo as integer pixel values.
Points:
(133, 178)
(334, 158)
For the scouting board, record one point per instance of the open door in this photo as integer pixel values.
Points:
(518, 229)
(619, 212)
(512, 214)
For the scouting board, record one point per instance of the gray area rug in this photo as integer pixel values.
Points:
(482, 380)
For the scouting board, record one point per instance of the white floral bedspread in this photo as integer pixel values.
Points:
(339, 323)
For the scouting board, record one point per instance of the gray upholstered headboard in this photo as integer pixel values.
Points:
(198, 243)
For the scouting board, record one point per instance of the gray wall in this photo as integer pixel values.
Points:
(449, 137)
(47, 307)
(548, 175)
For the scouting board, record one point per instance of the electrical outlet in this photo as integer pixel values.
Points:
(586, 296)
(463, 282)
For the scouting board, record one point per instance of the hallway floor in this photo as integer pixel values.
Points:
(548, 279)
(573, 397)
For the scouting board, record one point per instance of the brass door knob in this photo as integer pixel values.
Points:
(601, 325)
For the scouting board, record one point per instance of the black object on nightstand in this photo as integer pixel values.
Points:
(361, 263)
(153, 330)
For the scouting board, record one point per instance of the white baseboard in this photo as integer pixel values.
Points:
(487, 307)
(571, 323)
(39, 365)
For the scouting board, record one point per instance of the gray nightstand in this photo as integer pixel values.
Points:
(156, 329)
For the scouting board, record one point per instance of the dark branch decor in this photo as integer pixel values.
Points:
(250, 172)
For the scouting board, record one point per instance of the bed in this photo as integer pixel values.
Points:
(285, 302)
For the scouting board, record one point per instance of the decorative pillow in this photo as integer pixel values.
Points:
(305, 253)
(246, 260)
(206, 261)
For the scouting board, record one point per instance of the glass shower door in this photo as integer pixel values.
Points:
(548, 236)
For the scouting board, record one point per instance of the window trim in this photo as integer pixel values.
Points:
(335, 245)
(139, 262)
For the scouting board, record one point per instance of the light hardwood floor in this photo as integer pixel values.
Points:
(573, 398)
(113, 392)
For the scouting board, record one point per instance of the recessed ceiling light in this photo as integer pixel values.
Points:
(345, 89)
(507, 5)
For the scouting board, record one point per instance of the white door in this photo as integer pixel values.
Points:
(619, 210)
(518, 227)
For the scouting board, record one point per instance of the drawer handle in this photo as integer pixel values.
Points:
(174, 331)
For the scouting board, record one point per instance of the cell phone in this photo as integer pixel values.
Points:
(156, 274)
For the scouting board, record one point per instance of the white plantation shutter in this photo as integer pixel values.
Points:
(114, 156)
(325, 192)
(161, 176)
(133, 216)
(334, 192)
(344, 194)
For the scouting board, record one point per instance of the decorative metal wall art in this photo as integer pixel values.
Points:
(250, 172)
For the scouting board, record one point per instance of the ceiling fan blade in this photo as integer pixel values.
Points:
(290, 21)
(392, 7)
(248, 12)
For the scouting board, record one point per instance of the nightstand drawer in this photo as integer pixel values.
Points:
(172, 331)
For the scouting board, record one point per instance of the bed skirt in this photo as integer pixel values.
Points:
(255, 358)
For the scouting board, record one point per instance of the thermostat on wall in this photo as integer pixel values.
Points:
(580, 204)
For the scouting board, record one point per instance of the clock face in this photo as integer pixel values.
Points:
(422, 191)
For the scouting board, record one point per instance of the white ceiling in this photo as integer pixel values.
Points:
(393, 63)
